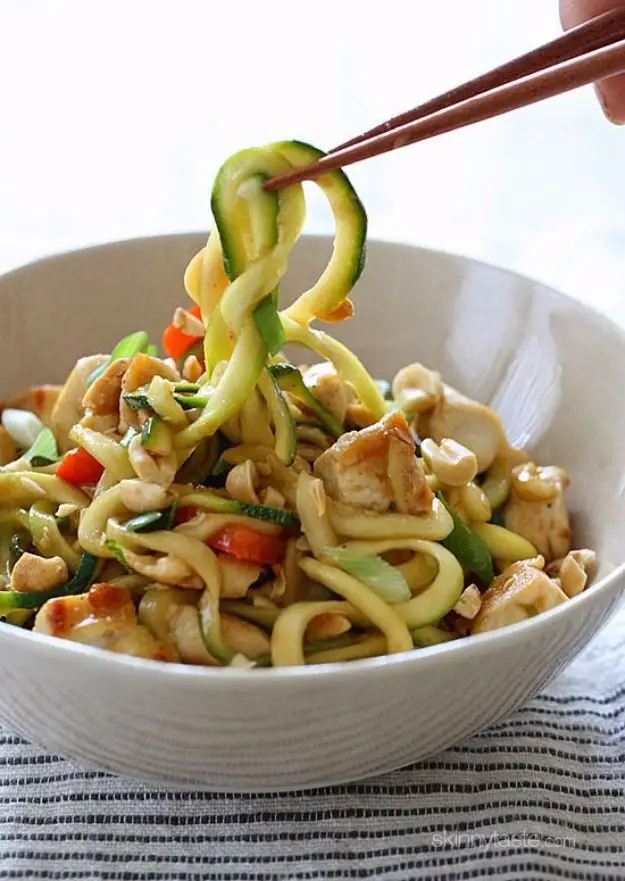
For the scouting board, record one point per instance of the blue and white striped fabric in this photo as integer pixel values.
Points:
(539, 796)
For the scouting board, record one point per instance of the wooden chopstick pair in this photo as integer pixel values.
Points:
(590, 52)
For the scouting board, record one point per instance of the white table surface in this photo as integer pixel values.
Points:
(116, 115)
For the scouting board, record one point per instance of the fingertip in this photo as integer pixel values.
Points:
(611, 94)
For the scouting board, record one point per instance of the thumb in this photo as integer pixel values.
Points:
(611, 91)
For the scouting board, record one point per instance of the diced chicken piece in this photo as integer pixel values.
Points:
(102, 396)
(328, 388)
(376, 468)
(163, 569)
(143, 368)
(243, 482)
(38, 399)
(244, 638)
(8, 450)
(359, 416)
(237, 576)
(172, 616)
(33, 573)
(520, 592)
(151, 469)
(103, 617)
(139, 496)
(68, 408)
(475, 426)
(545, 524)
(103, 424)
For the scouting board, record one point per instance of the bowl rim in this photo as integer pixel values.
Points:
(228, 677)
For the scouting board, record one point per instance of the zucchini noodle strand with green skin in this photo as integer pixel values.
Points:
(47, 537)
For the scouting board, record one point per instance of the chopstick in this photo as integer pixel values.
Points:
(594, 34)
(581, 71)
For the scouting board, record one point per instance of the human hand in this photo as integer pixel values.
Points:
(611, 91)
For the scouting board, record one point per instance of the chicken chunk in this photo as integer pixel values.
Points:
(165, 569)
(68, 408)
(237, 576)
(37, 399)
(141, 496)
(173, 615)
(520, 592)
(104, 617)
(376, 468)
(543, 523)
(475, 426)
(8, 450)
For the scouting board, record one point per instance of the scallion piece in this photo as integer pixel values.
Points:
(44, 451)
(385, 580)
(468, 548)
(127, 347)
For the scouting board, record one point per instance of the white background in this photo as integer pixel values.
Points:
(116, 115)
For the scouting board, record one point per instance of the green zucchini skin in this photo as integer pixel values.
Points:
(291, 380)
(347, 207)
(155, 436)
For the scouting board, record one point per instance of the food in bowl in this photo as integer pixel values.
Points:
(219, 506)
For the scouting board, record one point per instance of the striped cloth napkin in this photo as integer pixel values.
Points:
(538, 796)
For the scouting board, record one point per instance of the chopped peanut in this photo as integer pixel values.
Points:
(469, 603)
(191, 369)
(33, 573)
(451, 462)
(102, 396)
(243, 481)
(416, 388)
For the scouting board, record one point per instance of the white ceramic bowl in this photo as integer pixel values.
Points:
(556, 372)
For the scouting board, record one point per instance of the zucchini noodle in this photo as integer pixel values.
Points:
(47, 537)
(355, 523)
(107, 451)
(93, 523)
(365, 647)
(386, 618)
(504, 544)
(20, 488)
(287, 639)
(222, 498)
(316, 524)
